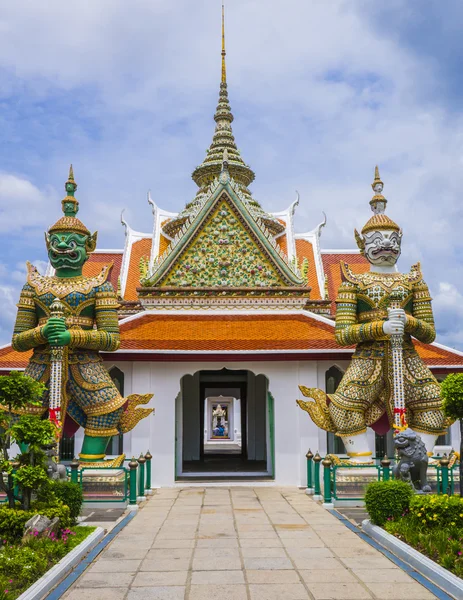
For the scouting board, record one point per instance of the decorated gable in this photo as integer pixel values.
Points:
(224, 252)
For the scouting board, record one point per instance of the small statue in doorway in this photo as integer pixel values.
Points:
(413, 461)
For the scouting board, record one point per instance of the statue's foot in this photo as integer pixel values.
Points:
(112, 463)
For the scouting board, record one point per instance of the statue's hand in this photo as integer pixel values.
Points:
(53, 325)
(60, 338)
(394, 326)
(397, 313)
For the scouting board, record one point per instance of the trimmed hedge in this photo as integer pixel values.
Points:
(71, 495)
(386, 500)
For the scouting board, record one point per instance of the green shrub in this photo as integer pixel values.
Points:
(437, 511)
(12, 521)
(385, 500)
(71, 495)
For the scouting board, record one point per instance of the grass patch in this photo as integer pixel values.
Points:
(443, 545)
(23, 565)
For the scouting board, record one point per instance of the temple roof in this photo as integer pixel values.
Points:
(293, 336)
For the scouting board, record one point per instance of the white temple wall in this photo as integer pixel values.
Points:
(294, 431)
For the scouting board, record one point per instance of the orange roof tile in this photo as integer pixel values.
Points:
(332, 268)
(139, 249)
(226, 332)
(10, 359)
(222, 333)
(97, 261)
(304, 249)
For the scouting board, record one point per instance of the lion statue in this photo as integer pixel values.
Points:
(413, 461)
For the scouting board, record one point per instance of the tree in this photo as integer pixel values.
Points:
(452, 396)
(17, 391)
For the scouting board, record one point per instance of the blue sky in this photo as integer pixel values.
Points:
(321, 92)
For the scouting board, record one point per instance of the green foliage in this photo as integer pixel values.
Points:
(33, 431)
(452, 395)
(443, 544)
(22, 565)
(12, 521)
(67, 492)
(387, 500)
(436, 511)
(30, 477)
(17, 390)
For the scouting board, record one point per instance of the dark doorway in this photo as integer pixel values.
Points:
(223, 426)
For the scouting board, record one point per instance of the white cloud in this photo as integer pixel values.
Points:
(319, 92)
(22, 204)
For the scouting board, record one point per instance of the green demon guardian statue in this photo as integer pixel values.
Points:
(89, 325)
(367, 318)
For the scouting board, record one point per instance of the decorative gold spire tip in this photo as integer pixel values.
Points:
(377, 181)
(71, 173)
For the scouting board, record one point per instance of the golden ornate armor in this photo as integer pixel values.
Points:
(370, 308)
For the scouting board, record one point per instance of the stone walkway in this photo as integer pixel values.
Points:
(240, 544)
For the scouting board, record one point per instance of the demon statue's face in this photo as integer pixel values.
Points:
(67, 250)
(382, 247)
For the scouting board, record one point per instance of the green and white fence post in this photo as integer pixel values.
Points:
(148, 458)
(444, 464)
(327, 502)
(141, 478)
(386, 464)
(317, 489)
(74, 464)
(309, 457)
(133, 466)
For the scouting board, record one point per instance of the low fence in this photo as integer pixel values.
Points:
(123, 485)
(331, 481)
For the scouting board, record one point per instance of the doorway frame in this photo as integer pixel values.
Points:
(269, 473)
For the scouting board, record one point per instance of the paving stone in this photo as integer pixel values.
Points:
(369, 562)
(89, 594)
(401, 591)
(169, 553)
(278, 591)
(267, 563)
(322, 563)
(215, 592)
(160, 578)
(165, 564)
(115, 566)
(219, 552)
(395, 575)
(264, 552)
(295, 552)
(105, 580)
(217, 563)
(260, 543)
(338, 591)
(273, 576)
(157, 593)
(217, 577)
(326, 576)
(173, 543)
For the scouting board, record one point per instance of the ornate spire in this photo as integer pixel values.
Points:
(224, 68)
(211, 167)
(378, 205)
(223, 138)
(70, 206)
